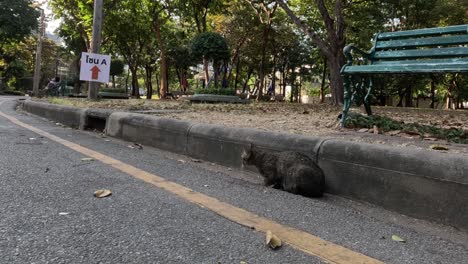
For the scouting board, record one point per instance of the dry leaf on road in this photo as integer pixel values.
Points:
(438, 147)
(398, 239)
(102, 193)
(87, 159)
(272, 240)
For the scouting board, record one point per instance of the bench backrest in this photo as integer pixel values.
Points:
(442, 45)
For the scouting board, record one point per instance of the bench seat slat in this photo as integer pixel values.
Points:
(422, 53)
(423, 61)
(460, 29)
(423, 42)
(405, 68)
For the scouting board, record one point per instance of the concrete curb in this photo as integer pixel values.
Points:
(418, 183)
(67, 115)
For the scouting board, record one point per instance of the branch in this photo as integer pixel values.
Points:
(340, 23)
(321, 44)
(259, 14)
(329, 22)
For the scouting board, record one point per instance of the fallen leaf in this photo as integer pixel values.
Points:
(205, 185)
(438, 147)
(363, 130)
(243, 262)
(398, 239)
(272, 240)
(130, 146)
(139, 146)
(394, 132)
(87, 159)
(32, 138)
(102, 193)
(181, 161)
(64, 213)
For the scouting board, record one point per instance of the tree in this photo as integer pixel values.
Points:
(128, 32)
(331, 43)
(116, 68)
(17, 19)
(210, 46)
(181, 58)
(265, 11)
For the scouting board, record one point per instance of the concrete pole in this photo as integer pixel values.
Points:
(37, 65)
(96, 44)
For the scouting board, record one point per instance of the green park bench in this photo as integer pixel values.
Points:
(423, 51)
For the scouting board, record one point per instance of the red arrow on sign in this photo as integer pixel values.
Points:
(95, 72)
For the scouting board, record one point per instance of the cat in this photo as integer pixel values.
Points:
(290, 171)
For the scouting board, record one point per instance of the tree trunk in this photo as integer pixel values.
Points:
(163, 87)
(266, 33)
(336, 82)
(135, 88)
(432, 93)
(126, 81)
(322, 85)
(158, 86)
(249, 74)
(149, 84)
(285, 72)
(236, 80)
(205, 69)
(409, 96)
(216, 73)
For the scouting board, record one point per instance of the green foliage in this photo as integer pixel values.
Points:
(386, 124)
(117, 67)
(216, 91)
(211, 46)
(17, 19)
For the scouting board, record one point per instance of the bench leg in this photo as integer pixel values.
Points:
(367, 98)
(347, 100)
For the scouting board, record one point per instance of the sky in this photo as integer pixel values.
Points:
(52, 24)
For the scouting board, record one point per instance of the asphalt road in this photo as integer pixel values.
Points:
(48, 213)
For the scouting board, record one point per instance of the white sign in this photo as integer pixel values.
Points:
(95, 67)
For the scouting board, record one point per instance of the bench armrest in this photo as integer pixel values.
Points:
(351, 49)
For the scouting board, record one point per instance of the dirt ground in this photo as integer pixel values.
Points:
(306, 119)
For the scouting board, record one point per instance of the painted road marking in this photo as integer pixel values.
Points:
(308, 243)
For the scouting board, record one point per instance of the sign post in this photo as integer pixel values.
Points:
(95, 45)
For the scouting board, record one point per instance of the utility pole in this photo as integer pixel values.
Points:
(37, 65)
(96, 44)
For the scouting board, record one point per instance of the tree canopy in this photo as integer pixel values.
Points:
(256, 45)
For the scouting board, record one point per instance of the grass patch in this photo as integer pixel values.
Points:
(386, 124)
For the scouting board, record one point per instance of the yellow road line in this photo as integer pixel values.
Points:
(310, 244)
